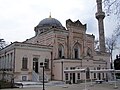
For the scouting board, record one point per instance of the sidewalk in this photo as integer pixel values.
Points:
(103, 86)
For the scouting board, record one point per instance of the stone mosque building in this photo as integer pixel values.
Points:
(59, 48)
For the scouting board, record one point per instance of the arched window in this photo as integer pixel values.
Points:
(76, 51)
(61, 51)
(89, 52)
(94, 73)
(87, 73)
(24, 63)
(35, 64)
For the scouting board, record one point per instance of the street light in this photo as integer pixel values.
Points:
(43, 66)
(43, 76)
(62, 69)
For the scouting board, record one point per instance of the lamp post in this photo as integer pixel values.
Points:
(43, 66)
(62, 69)
(85, 81)
(43, 76)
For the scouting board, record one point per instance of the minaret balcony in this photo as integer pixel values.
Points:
(100, 15)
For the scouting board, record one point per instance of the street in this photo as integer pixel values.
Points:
(103, 86)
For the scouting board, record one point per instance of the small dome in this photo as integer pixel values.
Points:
(50, 22)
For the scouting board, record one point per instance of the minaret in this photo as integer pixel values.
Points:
(50, 15)
(100, 15)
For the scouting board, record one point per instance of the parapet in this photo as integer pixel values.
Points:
(70, 23)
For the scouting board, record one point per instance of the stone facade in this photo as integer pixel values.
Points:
(59, 47)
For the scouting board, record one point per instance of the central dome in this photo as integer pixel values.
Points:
(50, 22)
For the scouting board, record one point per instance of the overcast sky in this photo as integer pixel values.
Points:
(19, 17)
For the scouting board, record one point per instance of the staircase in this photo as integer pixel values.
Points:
(35, 76)
(38, 77)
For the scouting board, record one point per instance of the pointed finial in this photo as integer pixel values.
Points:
(50, 15)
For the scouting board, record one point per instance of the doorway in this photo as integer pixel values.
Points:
(99, 76)
(73, 77)
(35, 64)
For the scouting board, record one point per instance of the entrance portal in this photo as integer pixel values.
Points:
(35, 64)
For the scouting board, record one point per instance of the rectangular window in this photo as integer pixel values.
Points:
(24, 63)
(66, 76)
(70, 76)
(94, 75)
(78, 75)
(11, 61)
(103, 75)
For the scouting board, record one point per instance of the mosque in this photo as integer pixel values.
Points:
(59, 48)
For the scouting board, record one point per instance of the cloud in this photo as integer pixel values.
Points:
(19, 17)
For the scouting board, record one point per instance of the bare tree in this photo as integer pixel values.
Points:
(112, 43)
(112, 7)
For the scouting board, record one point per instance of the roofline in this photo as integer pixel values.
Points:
(11, 46)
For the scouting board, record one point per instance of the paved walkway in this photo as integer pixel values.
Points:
(103, 86)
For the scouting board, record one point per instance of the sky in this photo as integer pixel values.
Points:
(19, 17)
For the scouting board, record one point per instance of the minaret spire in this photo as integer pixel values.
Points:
(100, 15)
(50, 15)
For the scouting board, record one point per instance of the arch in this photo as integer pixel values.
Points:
(76, 51)
(61, 51)
(89, 51)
